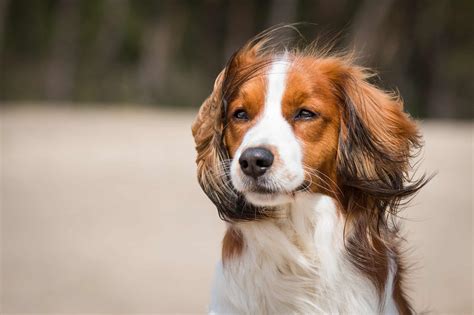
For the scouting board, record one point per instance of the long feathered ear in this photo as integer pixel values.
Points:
(376, 143)
(207, 131)
(208, 118)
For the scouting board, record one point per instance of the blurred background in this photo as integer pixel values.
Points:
(101, 211)
(148, 51)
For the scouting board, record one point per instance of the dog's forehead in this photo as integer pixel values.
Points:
(288, 83)
(264, 84)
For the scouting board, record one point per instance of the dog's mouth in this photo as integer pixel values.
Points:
(263, 195)
(261, 186)
(265, 188)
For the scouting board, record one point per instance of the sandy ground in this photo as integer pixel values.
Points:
(101, 213)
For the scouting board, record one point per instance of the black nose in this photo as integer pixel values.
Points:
(256, 161)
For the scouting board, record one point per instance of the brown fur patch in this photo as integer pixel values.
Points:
(232, 244)
(251, 98)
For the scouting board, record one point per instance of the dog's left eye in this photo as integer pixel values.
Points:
(241, 114)
(304, 114)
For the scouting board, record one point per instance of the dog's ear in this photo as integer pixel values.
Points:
(211, 158)
(208, 118)
(376, 142)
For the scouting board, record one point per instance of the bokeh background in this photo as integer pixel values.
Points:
(100, 208)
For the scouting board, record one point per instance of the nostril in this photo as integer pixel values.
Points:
(263, 162)
(244, 163)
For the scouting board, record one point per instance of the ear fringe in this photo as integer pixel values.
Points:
(376, 143)
(375, 147)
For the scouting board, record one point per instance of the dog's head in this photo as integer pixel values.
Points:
(285, 122)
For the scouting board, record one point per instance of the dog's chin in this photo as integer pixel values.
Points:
(268, 199)
(266, 192)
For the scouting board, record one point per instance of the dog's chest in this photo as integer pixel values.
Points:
(292, 268)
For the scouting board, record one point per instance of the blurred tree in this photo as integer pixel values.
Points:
(3, 10)
(110, 35)
(160, 41)
(62, 63)
(239, 29)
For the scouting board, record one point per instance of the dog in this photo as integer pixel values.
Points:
(308, 164)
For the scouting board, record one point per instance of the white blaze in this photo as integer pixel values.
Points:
(273, 130)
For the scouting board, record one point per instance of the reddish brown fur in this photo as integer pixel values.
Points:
(251, 98)
(232, 244)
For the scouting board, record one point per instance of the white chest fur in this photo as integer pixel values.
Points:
(296, 264)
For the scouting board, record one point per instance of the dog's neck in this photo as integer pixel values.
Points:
(293, 225)
(293, 263)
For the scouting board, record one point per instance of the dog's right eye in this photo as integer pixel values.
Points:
(241, 114)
